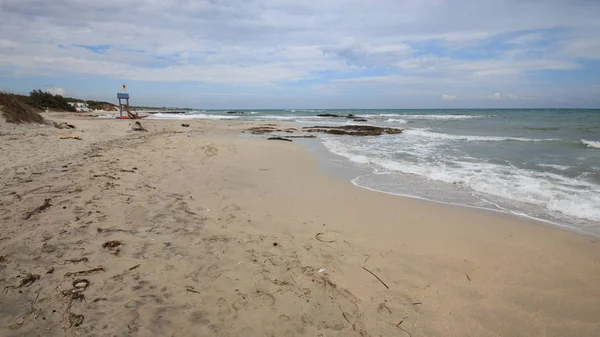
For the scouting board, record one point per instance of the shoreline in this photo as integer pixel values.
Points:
(236, 236)
(351, 169)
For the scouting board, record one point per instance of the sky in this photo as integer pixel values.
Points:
(220, 54)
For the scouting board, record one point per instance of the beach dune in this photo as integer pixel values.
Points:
(199, 231)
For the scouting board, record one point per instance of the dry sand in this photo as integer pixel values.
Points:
(223, 235)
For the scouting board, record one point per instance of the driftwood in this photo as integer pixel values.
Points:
(38, 209)
(377, 277)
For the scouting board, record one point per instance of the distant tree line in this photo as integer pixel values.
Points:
(45, 100)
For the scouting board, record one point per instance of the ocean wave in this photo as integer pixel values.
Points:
(396, 120)
(591, 143)
(190, 116)
(554, 192)
(449, 117)
(554, 166)
(435, 135)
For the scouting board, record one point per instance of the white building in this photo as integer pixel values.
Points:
(80, 106)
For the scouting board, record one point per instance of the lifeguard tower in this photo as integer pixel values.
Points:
(124, 106)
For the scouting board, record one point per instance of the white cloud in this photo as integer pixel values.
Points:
(449, 97)
(57, 91)
(377, 46)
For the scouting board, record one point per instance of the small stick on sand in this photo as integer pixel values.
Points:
(377, 277)
(86, 272)
(468, 278)
(38, 209)
(134, 267)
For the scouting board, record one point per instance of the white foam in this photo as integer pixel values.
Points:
(396, 120)
(449, 117)
(190, 116)
(591, 143)
(556, 167)
(429, 134)
(434, 161)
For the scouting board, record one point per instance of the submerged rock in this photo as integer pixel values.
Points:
(353, 130)
(360, 120)
(235, 112)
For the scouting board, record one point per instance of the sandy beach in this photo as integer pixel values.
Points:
(205, 231)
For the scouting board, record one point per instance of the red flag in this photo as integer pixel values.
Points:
(124, 87)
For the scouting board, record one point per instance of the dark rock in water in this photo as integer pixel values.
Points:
(329, 115)
(351, 116)
(360, 120)
(353, 130)
(279, 138)
(303, 136)
(235, 112)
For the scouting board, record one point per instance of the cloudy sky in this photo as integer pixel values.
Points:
(307, 54)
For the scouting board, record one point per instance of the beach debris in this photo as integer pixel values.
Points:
(75, 320)
(63, 125)
(134, 267)
(377, 277)
(191, 289)
(417, 303)
(71, 136)
(50, 271)
(83, 259)
(86, 272)
(322, 270)
(28, 280)
(167, 244)
(279, 138)
(113, 246)
(81, 284)
(353, 130)
(275, 244)
(137, 126)
(318, 237)
(397, 325)
(185, 125)
(468, 278)
(38, 209)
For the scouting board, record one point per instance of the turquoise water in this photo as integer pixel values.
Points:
(538, 163)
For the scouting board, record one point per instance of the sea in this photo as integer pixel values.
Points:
(542, 164)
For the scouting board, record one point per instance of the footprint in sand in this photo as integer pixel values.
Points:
(223, 310)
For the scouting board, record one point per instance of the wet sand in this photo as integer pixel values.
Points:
(222, 235)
